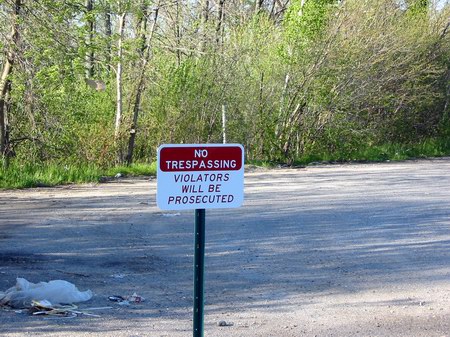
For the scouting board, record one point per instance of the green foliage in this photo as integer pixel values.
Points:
(384, 152)
(306, 22)
(138, 169)
(418, 7)
(38, 175)
(330, 80)
(46, 175)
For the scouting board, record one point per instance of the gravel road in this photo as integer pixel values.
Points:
(333, 250)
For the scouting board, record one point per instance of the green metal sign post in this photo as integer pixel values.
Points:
(199, 271)
(200, 177)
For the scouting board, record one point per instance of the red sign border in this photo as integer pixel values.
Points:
(221, 157)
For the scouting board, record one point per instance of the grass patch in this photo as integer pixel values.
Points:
(133, 170)
(25, 176)
(394, 152)
(39, 175)
(261, 163)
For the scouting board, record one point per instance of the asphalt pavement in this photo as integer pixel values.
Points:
(326, 250)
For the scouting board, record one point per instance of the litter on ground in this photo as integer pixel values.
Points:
(126, 300)
(69, 311)
(25, 293)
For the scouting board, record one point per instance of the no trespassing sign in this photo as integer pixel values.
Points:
(196, 176)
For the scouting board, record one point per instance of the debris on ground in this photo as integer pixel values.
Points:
(118, 276)
(46, 308)
(225, 323)
(170, 215)
(119, 299)
(69, 311)
(116, 298)
(126, 300)
(135, 298)
(25, 293)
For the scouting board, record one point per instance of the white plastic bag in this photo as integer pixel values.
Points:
(56, 291)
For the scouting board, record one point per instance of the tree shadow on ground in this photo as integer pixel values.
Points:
(265, 256)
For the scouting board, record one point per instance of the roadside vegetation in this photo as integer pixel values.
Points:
(25, 176)
(91, 88)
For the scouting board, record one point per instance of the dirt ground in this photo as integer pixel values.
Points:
(335, 250)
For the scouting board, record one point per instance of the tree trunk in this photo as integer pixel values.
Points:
(140, 87)
(281, 111)
(272, 9)
(446, 109)
(4, 87)
(258, 5)
(108, 32)
(205, 19)
(220, 19)
(178, 32)
(119, 95)
(224, 123)
(205, 11)
(90, 37)
(5, 83)
(290, 131)
(143, 20)
(302, 4)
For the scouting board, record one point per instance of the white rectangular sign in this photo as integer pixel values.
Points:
(196, 176)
